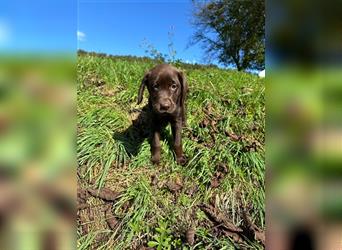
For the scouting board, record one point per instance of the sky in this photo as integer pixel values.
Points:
(38, 26)
(114, 27)
(121, 27)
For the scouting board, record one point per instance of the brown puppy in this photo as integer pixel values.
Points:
(168, 89)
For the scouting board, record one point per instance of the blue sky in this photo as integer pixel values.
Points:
(38, 26)
(108, 26)
(120, 27)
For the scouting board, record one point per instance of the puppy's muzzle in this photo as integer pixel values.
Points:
(164, 106)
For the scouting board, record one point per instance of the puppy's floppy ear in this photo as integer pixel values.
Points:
(144, 82)
(184, 87)
(184, 92)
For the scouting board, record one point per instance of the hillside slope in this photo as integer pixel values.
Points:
(216, 200)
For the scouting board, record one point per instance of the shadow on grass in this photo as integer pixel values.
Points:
(140, 130)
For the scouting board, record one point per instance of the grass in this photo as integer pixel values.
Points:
(226, 125)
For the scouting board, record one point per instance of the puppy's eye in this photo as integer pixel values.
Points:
(156, 87)
(173, 86)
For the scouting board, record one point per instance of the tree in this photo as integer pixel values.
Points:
(233, 31)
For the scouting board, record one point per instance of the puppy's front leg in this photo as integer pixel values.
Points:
(155, 146)
(177, 137)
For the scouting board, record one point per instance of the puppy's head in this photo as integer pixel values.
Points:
(167, 88)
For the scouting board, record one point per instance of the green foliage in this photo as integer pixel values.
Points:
(163, 238)
(112, 153)
(232, 31)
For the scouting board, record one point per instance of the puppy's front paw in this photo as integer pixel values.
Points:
(155, 159)
(181, 160)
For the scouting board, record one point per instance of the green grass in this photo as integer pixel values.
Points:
(114, 154)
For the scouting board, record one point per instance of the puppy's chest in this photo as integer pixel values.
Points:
(163, 119)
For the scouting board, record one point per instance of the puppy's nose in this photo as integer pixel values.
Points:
(164, 106)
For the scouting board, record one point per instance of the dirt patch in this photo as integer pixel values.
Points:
(174, 186)
(192, 190)
(211, 119)
(84, 223)
(111, 220)
(82, 205)
(252, 230)
(239, 234)
(221, 171)
(251, 144)
(104, 194)
(204, 123)
(190, 236)
(146, 248)
(220, 219)
(93, 79)
(108, 91)
(233, 136)
(154, 180)
(103, 210)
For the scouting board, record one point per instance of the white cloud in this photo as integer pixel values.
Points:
(81, 36)
(4, 32)
(262, 74)
(191, 62)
